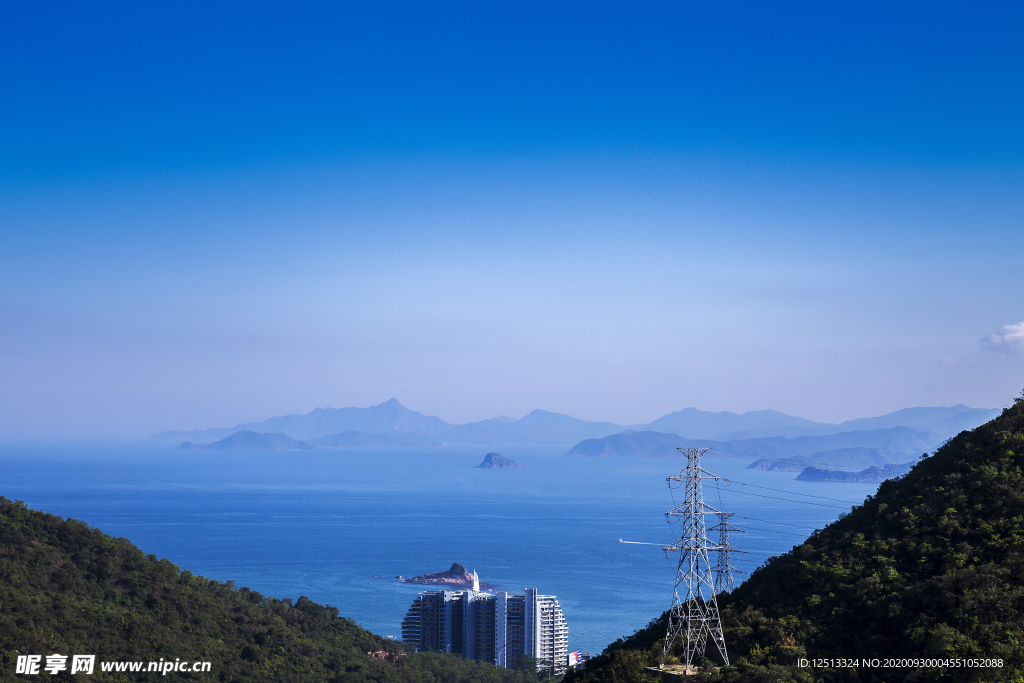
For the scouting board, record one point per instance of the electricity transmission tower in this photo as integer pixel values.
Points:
(694, 612)
(725, 569)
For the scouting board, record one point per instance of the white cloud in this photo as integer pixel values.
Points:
(1008, 340)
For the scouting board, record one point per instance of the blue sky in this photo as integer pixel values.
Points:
(215, 215)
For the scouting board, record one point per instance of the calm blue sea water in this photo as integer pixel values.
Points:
(338, 526)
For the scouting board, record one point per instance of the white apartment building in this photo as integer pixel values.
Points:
(491, 627)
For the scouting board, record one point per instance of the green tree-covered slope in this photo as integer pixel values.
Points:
(932, 566)
(70, 589)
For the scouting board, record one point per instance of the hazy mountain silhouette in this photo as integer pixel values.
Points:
(251, 441)
(856, 457)
(725, 426)
(394, 439)
(391, 424)
(387, 417)
(701, 424)
(898, 440)
(539, 427)
(953, 420)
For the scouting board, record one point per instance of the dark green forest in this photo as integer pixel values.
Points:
(932, 566)
(70, 589)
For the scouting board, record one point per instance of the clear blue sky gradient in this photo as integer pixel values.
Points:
(212, 215)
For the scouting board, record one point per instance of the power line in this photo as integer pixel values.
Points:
(795, 493)
(745, 552)
(772, 531)
(754, 552)
(772, 521)
(788, 500)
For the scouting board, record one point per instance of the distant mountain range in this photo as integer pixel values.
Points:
(898, 440)
(251, 441)
(390, 416)
(700, 424)
(350, 427)
(725, 426)
(756, 434)
(846, 458)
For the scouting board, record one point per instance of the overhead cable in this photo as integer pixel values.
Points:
(788, 500)
(794, 493)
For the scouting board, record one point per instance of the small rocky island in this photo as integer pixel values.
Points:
(457, 577)
(497, 461)
(872, 475)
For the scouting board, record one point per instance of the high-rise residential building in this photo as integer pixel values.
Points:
(493, 627)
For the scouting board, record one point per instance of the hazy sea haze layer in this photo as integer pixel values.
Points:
(339, 525)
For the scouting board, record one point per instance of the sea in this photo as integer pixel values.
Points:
(339, 526)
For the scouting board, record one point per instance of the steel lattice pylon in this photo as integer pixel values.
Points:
(693, 615)
(724, 571)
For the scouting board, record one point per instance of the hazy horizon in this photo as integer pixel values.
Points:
(260, 419)
(214, 216)
(637, 424)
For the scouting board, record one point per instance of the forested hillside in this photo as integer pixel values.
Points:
(70, 589)
(932, 566)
